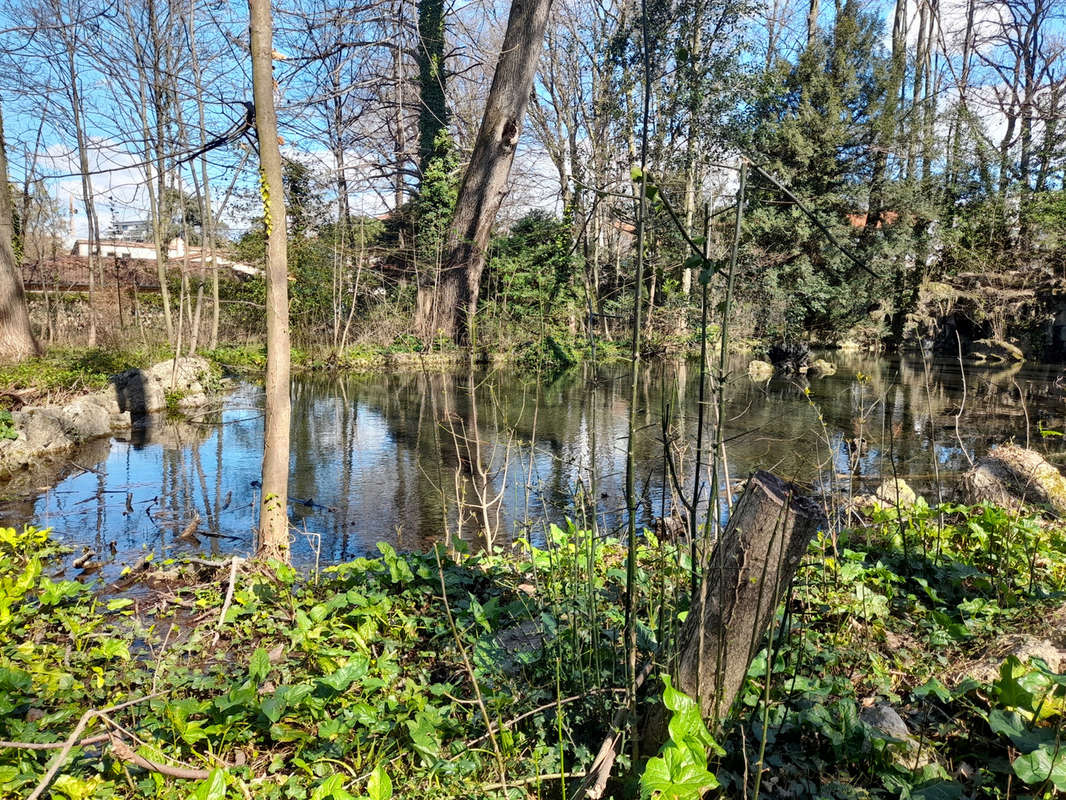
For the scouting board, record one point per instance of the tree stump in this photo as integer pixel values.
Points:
(748, 574)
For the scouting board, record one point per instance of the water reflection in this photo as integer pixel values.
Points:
(414, 457)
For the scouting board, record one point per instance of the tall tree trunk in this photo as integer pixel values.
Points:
(812, 21)
(207, 222)
(433, 115)
(16, 335)
(451, 305)
(159, 94)
(273, 506)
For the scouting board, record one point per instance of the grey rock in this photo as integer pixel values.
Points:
(85, 419)
(133, 395)
(887, 720)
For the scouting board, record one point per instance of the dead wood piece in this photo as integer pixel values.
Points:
(1013, 477)
(83, 559)
(88, 740)
(234, 563)
(125, 753)
(749, 573)
(188, 533)
(73, 739)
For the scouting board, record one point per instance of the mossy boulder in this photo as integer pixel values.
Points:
(760, 370)
(1014, 477)
(819, 368)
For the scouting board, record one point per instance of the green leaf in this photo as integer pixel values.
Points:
(636, 174)
(1042, 765)
(937, 790)
(676, 776)
(211, 788)
(273, 707)
(112, 648)
(119, 603)
(379, 787)
(424, 737)
(332, 788)
(344, 677)
(934, 687)
(1012, 725)
(258, 666)
(1011, 693)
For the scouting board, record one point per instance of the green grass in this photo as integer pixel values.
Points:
(65, 371)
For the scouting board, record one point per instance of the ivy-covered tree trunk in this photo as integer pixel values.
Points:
(433, 113)
(448, 305)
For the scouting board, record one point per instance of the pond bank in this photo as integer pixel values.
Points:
(34, 432)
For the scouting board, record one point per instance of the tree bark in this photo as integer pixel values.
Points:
(16, 336)
(273, 506)
(749, 573)
(448, 307)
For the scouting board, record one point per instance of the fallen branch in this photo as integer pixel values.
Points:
(553, 776)
(233, 562)
(100, 737)
(546, 707)
(125, 753)
(595, 781)
(74, 737)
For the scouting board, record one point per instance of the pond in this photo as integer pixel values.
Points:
(414, 457)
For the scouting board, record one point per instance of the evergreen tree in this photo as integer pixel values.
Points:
(814, 130)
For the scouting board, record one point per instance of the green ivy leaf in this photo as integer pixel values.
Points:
(1011, 693)
(259, 666)
(211, 788)
(332, 788)
(675, 775)
(1042, 765)
(1012, 725)
(379, 787)
(937, 790)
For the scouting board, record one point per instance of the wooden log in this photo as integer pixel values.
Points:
(748, 574)
(1016, 478)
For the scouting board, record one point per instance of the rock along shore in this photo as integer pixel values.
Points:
(186, 382)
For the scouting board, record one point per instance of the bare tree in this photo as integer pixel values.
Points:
(449, 306)
(273, 506)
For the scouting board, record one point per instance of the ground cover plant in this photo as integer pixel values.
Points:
(449, 674)
(66, 372)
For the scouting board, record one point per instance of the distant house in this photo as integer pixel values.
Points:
(117, 248)
(136, 230)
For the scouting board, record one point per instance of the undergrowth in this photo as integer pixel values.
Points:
(454, 675)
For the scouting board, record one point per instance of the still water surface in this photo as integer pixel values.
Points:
(412, 457)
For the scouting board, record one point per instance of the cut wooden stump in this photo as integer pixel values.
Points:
(748, 574)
